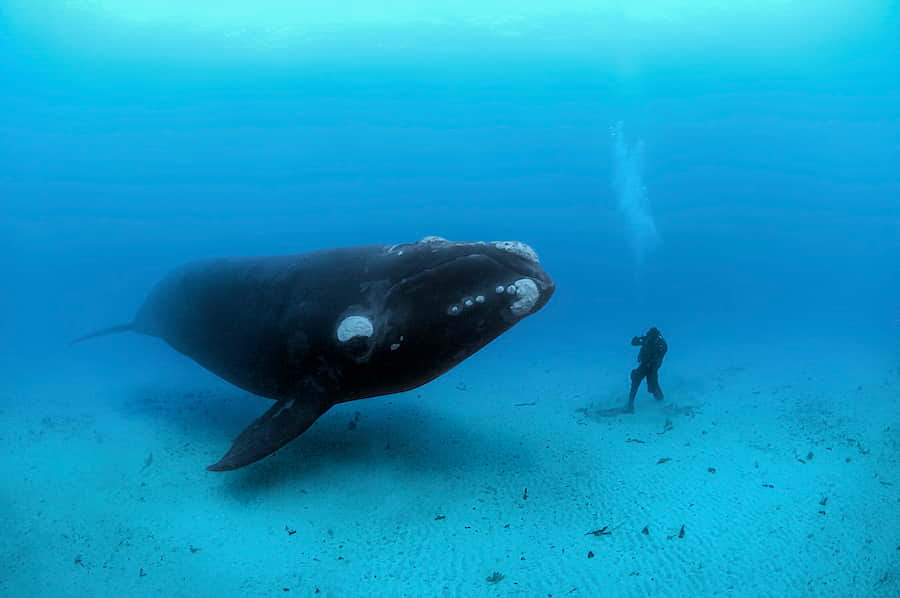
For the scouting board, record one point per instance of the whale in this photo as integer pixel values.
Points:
(334, 325)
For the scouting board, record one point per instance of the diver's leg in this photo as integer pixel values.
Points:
(637, 375)
(653, 384)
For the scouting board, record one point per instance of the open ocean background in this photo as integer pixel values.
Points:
(728, 172)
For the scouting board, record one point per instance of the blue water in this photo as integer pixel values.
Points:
(735, 188)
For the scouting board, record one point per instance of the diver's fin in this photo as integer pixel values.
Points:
(286, 420)
(104, 332)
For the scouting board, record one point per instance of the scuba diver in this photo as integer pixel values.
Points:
(653, 349)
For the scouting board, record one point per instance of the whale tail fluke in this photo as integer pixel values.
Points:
(111, 330)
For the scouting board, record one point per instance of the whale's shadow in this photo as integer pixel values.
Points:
(405, 430)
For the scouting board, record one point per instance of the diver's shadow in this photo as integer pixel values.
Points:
(612, 411)
(667, 407)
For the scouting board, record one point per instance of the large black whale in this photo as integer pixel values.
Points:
(336, 325)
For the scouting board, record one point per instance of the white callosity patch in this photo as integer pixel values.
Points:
(518, 248)
(353, 327)
(433, 240)
(527, 294)
(469, 302)
(500, 289)
(430, 240)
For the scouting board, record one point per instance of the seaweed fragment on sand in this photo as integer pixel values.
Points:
(603, 531)
(148, 461)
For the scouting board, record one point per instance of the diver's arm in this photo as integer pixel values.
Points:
(637, 341)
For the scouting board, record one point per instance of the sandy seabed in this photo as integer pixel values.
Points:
(760, 475)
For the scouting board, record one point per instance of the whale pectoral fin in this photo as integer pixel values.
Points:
(286, 420)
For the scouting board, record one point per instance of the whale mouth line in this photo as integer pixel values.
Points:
(441, 264)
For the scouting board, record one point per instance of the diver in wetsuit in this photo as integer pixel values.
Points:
(653, 349)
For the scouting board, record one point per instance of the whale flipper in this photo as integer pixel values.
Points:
(284, 421)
